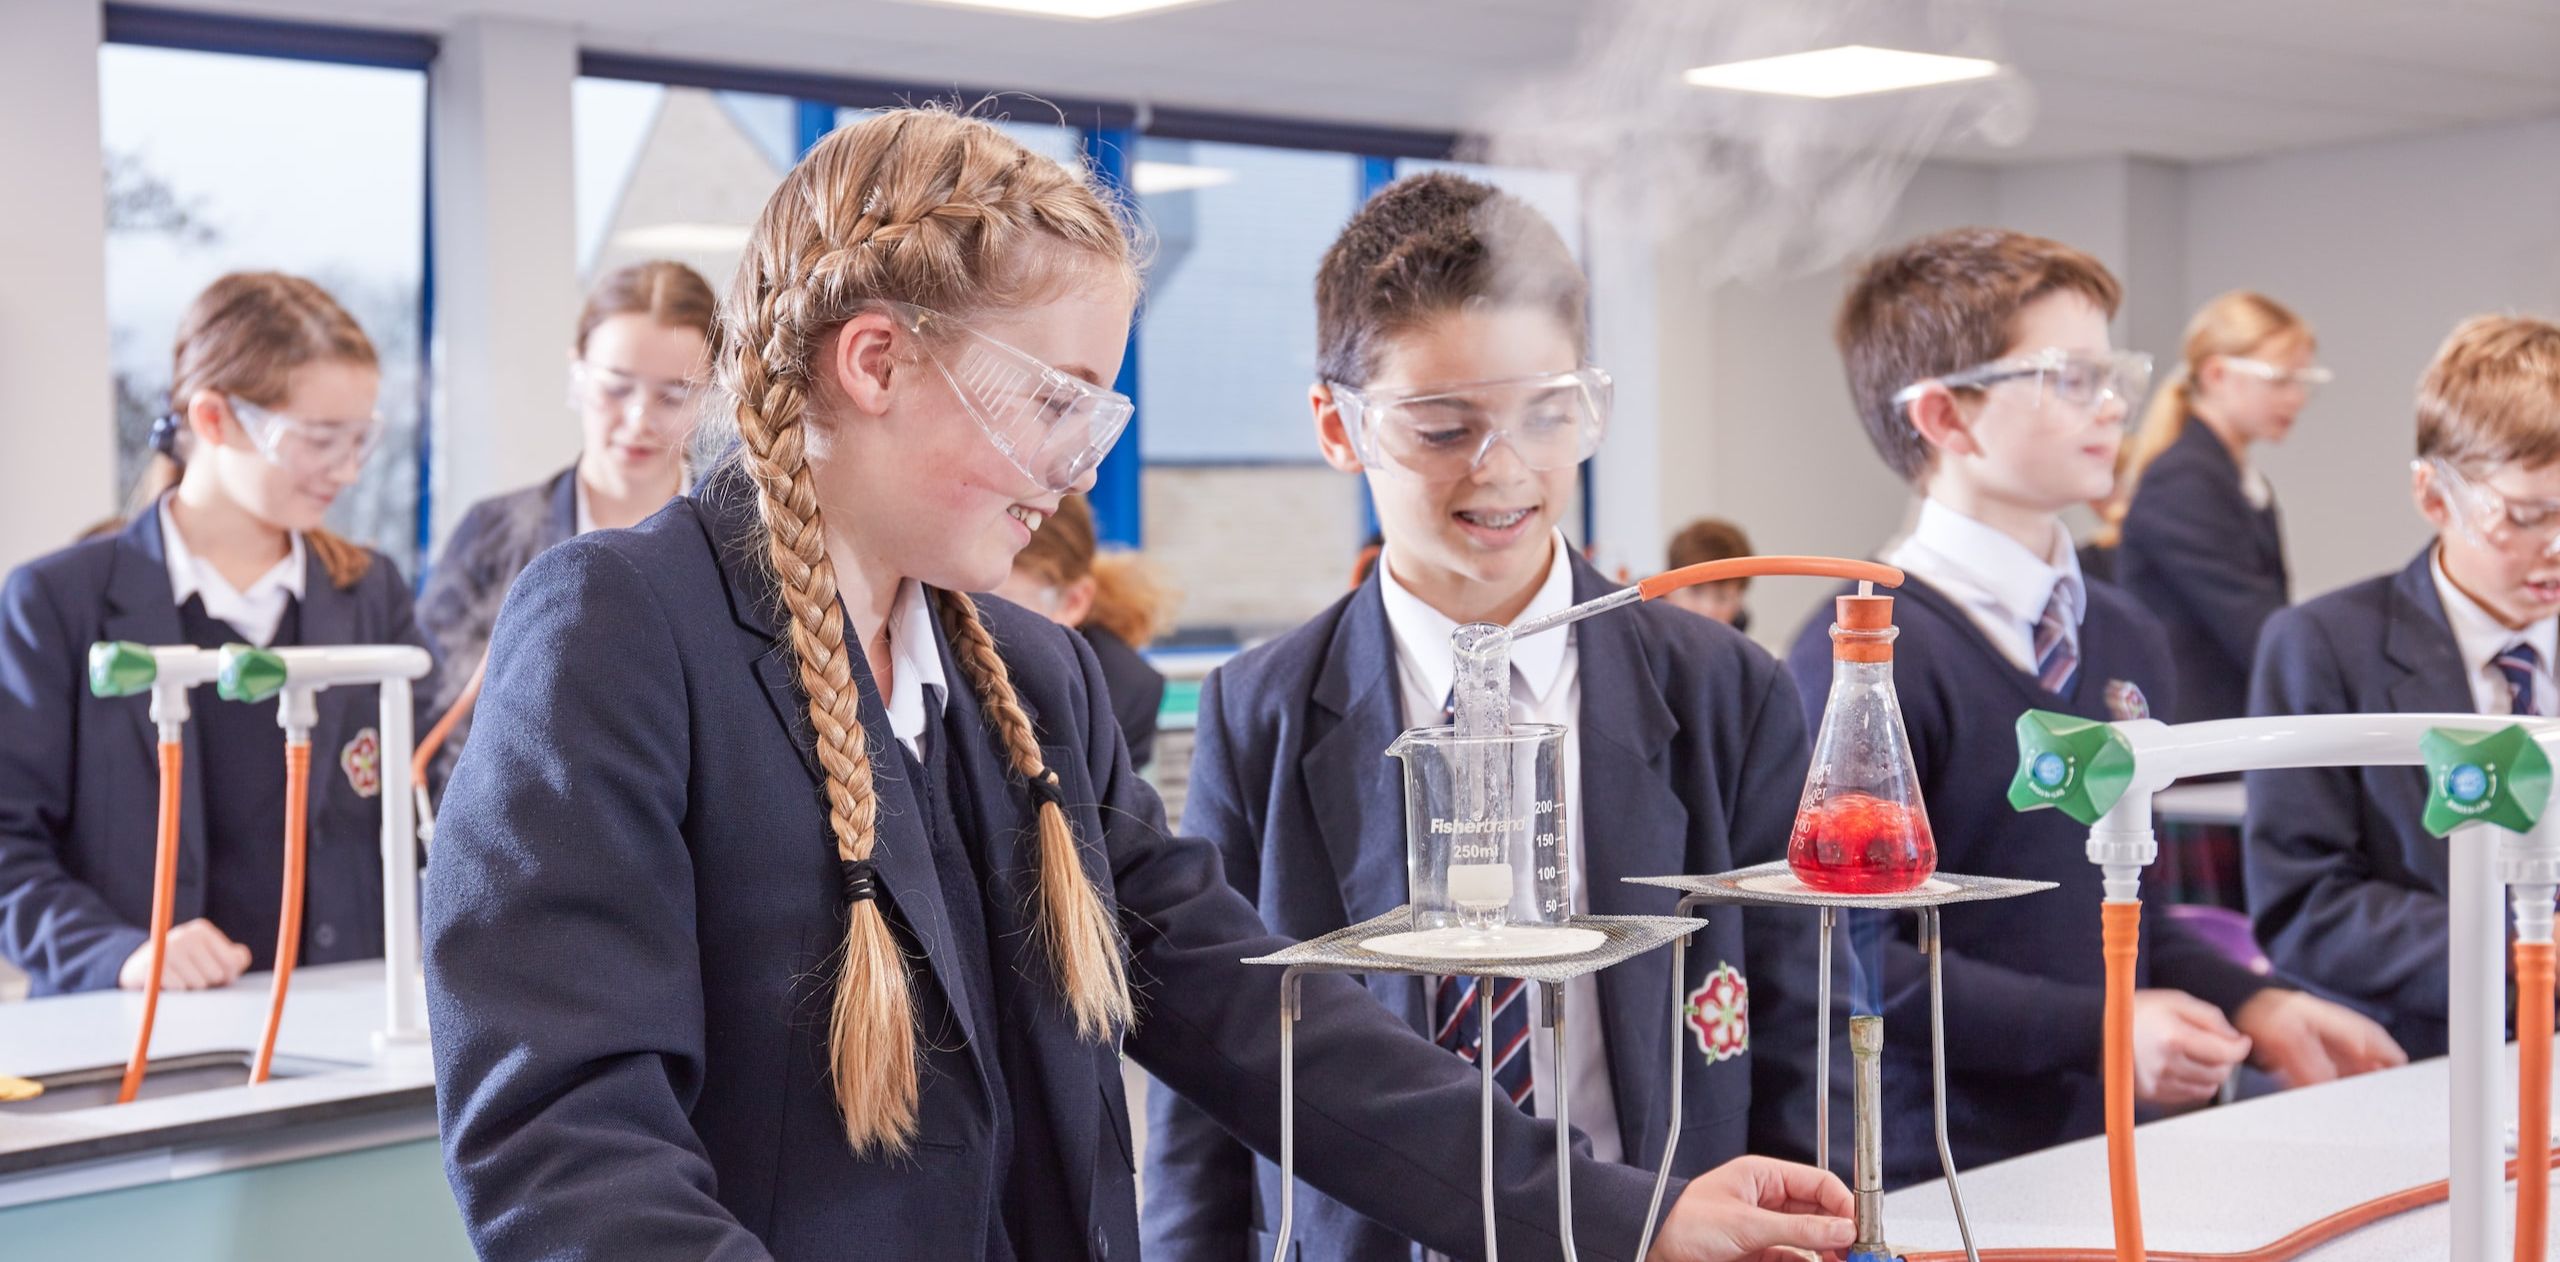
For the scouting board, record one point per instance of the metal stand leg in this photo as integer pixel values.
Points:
(1288, 1111)
(1484, 1061)
(1822, 1042)
(1671, 1132)
(1938, 1074)
(1564, 1126)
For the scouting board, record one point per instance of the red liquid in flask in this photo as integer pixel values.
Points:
(1855, 843)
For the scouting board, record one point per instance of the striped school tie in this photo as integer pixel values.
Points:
(2518, 662)
(2057, 650)
(1509, 1037)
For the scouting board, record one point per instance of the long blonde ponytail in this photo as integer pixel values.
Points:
(926, 207)
(2236, 323)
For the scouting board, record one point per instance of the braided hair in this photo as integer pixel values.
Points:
(927, 207)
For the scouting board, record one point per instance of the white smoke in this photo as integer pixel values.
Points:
(1779, 186)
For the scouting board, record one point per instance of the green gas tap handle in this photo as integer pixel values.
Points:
(121, 668)
(2078, 765)
(249, 674)
(2499, 777)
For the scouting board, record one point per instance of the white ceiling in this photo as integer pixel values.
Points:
(2192, 80)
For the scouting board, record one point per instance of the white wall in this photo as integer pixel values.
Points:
(1755, 421)
(59, 471)
(2384, 248)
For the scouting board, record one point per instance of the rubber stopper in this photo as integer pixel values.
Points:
(1862, 629)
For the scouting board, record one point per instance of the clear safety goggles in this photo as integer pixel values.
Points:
(665, 406)
(1441, 432)
(308, 447)
(2078, 378)
(2492, 518)
(2307, 379)
(1052, 426)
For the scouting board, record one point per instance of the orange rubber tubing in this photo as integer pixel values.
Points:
(443, 730)
(2120, 928)
(2533, 1100)
(297, 819)
(164, 900)
(1758, 567)
(2301, 1241)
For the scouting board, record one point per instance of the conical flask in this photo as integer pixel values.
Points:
(1860, 826)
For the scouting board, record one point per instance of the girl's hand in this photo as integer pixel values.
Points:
(201, 957)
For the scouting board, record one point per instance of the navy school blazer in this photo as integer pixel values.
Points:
(633, 909)
(1693, 755)
(2208, 564)
(79, 774)
(2346, 889)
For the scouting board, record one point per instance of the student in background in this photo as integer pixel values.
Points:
(1712, 539)
(634, 369)
(1114, 597)
(2345, 889)
(1981, 367)
(2197, 538)
(793, 904)
(272, 397)
(1450, 324)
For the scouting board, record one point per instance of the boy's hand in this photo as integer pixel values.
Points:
(201, 957)
(2305, 1039)
(1755, 1209)
(2182, 1048)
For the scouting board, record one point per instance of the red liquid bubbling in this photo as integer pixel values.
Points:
(1854, 843)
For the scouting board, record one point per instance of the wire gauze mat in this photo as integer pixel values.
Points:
(1773, 885)
(1623, 938)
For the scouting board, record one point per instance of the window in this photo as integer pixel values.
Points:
(674, 173)
(1239, 507)
(219, 163)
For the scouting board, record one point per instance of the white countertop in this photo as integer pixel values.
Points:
(331, 1014)
(2223, 1179)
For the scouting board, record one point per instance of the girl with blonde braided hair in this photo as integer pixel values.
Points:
(791, 903)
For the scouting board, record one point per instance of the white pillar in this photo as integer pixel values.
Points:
(60, 472)
(505, 257)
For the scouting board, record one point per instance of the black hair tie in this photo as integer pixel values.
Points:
(861, 880)
(164, 434)
(1045, 790)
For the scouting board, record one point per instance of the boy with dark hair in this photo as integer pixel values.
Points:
(1450, 324)
(1980, 364)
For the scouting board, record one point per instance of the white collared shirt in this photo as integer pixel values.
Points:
(2480, 638)
(254, 613)
(2002, 585)
(1546, 687)
(917, 686)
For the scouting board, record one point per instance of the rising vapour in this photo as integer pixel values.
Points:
(1756, 186)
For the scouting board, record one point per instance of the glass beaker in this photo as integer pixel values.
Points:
(1484, 831)
(1860, 826)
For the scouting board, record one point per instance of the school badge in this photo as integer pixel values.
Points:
(362, 761)
(1719, 1014)
(2125, 700)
